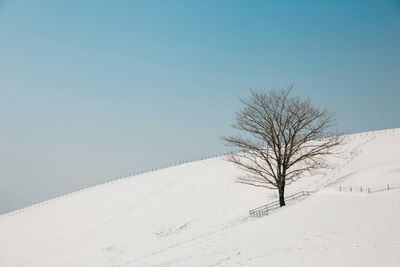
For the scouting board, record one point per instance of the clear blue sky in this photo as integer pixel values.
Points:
(94, 89)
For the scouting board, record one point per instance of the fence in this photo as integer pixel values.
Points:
(366, 189)
(266, 209)
(371, 132)
(111, 181)
(177, 163)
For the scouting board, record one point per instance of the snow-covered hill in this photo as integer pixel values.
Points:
(196, 215)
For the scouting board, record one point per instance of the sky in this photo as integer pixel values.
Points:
(94, 90)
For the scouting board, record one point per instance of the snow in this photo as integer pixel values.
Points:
(196, 214)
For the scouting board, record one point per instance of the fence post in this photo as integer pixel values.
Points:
(388, 187)
(361, 188)
(340, 188)
(368, 190)
(351, 189)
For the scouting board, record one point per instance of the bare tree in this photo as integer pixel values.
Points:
(285, 137)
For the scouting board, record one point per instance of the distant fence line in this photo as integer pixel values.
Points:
(372, 132)
(368, 190)
(113, 181)
(172, 164)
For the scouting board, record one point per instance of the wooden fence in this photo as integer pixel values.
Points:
(140, 173)
(266, 209)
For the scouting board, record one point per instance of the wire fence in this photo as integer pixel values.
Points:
(371, 132)
(114, 180)
(165, 166)
(367, 189)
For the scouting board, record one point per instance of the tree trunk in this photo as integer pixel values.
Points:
(282, 196)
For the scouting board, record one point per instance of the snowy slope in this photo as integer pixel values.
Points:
(196, 215)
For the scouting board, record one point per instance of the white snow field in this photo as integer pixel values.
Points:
(196, 214)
